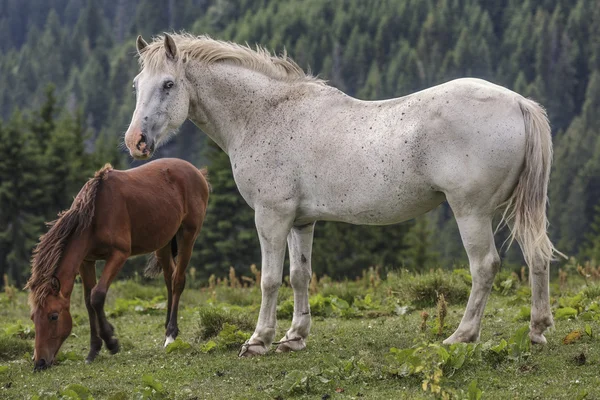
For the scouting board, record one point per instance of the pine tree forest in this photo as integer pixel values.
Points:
(66, 68)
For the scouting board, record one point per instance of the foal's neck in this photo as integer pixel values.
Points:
(73, 255)
(229, 102)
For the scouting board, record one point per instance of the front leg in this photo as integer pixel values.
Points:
(98, 297)
(300, 242)
(87, 270)
(273, 228)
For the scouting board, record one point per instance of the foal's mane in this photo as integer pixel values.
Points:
(47, 254)
(203, 48)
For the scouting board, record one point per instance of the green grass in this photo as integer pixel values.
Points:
(348, 354)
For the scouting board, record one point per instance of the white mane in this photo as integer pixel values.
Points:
(204, 49)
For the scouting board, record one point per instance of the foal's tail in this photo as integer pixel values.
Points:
(153, 268)
(525, 212)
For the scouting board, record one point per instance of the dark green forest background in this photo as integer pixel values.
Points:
(66, 68)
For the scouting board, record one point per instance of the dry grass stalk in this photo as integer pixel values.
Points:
(233, 280)
(424, 317)
(256, 272)
(442, 312)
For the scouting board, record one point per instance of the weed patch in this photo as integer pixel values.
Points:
(213, 320)
(12, 347)
(423, 290)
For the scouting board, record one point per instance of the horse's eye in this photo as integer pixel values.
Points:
(168, 85)
(54, 317)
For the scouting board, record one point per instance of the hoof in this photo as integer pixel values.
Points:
(252, 349)
(113, 346)
(537, 338)
(286, 345)
(462, 337)
(169, 340)
(91, 356)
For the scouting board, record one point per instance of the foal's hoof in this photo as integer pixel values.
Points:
(91, 356)
(169, 340)
(286, 345)
(252, 349)
(113, 346)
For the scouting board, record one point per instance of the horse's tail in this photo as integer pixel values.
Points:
(525, 212)
(153, 268)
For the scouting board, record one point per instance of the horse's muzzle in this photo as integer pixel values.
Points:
(145, 147)
(40, 365)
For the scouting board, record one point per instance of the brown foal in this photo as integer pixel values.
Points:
(158, 207)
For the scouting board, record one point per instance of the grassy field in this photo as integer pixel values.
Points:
(349, 356)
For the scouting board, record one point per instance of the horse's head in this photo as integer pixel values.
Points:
(53, 324)
(162, 99)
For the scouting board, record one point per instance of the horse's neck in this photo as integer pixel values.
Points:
(73, 255)
(232, 101)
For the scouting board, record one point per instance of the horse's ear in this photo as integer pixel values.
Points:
(55, 285)
(170, 47)
(141, 44)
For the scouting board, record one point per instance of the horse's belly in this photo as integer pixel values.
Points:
(373, 208)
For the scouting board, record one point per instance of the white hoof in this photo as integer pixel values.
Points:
(537, 338)
(462, 337)
(256, 348)
(286, 345)
(169, 340)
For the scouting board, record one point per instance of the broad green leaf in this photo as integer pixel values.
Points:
(565, 313)
(178, 345)
(208, 346)
(149, 381)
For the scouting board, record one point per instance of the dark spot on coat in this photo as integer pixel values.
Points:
(302, 258)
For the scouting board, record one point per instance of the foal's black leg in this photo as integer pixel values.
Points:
(87, 270)
(186, 238)
(98, 297)
(165, 260)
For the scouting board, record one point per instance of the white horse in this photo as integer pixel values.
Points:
(303, 151)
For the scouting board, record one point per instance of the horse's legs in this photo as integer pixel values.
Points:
(478, 239)
(87, 270)
(165, 259)
(98, 296)
(541, 313)
(300, 242)
(185, 242)
(273, 229)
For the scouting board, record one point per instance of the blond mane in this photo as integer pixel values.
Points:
(211, 51)
(48, 252)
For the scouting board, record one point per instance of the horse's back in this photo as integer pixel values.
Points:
(144, 207)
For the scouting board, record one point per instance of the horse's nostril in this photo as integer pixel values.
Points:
(141, 142)
(40, 365)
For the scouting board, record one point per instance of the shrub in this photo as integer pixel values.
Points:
(345, 290)
(423, 290)
(592, 292)
(213, 319)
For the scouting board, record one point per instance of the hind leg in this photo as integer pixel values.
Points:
(165, 260)
(478, 238)
(187, 237)
(541, 314)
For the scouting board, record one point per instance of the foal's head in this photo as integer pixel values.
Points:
(53, 324)
(162, 100)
